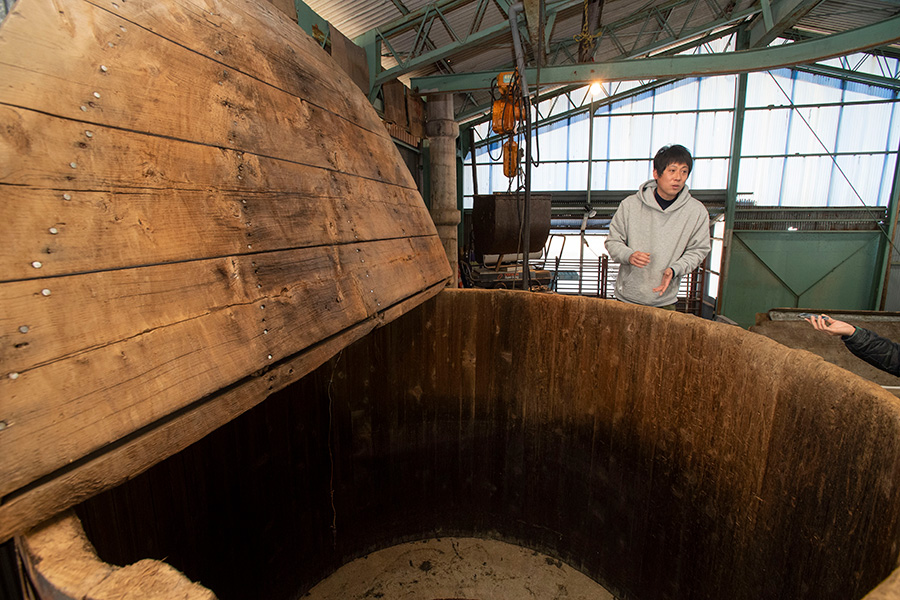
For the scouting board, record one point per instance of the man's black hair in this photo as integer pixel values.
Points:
(675, 153)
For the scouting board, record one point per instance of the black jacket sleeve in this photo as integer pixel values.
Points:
(875, 350)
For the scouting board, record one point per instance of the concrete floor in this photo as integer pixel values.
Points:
(457, 568)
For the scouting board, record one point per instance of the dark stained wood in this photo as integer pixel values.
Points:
(663, 455)
(193, 193)
(395, 103)
(115, 465)
(184, 328)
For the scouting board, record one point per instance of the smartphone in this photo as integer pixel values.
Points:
(805, 316)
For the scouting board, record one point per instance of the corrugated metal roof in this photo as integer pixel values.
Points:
(632, 28)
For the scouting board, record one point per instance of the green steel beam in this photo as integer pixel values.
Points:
(737, 136)
(893, 208)
(483, 37)
(856, 40)
(480, 113)
(307, 18)
(777, 17)
(597, 104)
(411, 20)
(854, 76)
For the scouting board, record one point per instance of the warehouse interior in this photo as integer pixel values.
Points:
(292, 285)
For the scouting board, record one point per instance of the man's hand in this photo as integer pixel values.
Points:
(639, 259)
(668, 274)
(831, 326)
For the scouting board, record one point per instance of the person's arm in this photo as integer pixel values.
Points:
(698, 247)
(879, 352)
(616, 242)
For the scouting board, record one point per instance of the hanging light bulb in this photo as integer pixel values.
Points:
(595, 89)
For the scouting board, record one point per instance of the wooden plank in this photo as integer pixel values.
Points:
(62, 565)
(154, 444)
(174, 92)
(59, 560)
(209, 325)
(351, 58)
(415, 108)
(79, 157)
(175, 236)
(395, 103)
(287, 7)
(127, 162)
(276, 49)
(139, 227)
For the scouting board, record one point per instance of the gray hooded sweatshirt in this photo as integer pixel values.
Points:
(677, 237)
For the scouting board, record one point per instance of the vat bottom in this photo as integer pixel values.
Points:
(457, 568)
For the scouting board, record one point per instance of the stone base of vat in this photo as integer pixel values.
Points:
(457, 568)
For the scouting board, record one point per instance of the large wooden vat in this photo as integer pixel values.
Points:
(198, 208)
(663, 455)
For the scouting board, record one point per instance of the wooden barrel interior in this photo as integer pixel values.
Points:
(663, 455)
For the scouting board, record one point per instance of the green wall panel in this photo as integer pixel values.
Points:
(800, 269)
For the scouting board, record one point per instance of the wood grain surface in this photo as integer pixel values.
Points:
(193, 193)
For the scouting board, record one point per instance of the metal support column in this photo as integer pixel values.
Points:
(587, 206)
(892, 229)
(442, 131)
(734, 167)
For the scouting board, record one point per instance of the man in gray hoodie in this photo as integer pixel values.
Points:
(659, 234)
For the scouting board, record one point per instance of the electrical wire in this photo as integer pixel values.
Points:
(491, 122)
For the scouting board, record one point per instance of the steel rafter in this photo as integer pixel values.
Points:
(443, 64)
(892, 83)
(777, 17)
(661, 19)
(651, 18)
(478, 114)
(422, 21)
(573, 112)
(857, 40)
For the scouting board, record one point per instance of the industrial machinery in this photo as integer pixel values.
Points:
(494, 259)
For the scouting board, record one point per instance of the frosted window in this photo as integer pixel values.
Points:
(865, 128)
(806, 180)
(602, 139)
(554, 143)
(709, 174)
(820, 124)
(763, 91)
(577, 176)
(673, 128)
(717, 92)
(765, 132)
(866, 176)
(759, 180)
(548, 177)
(715, 131)
(578, 139)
